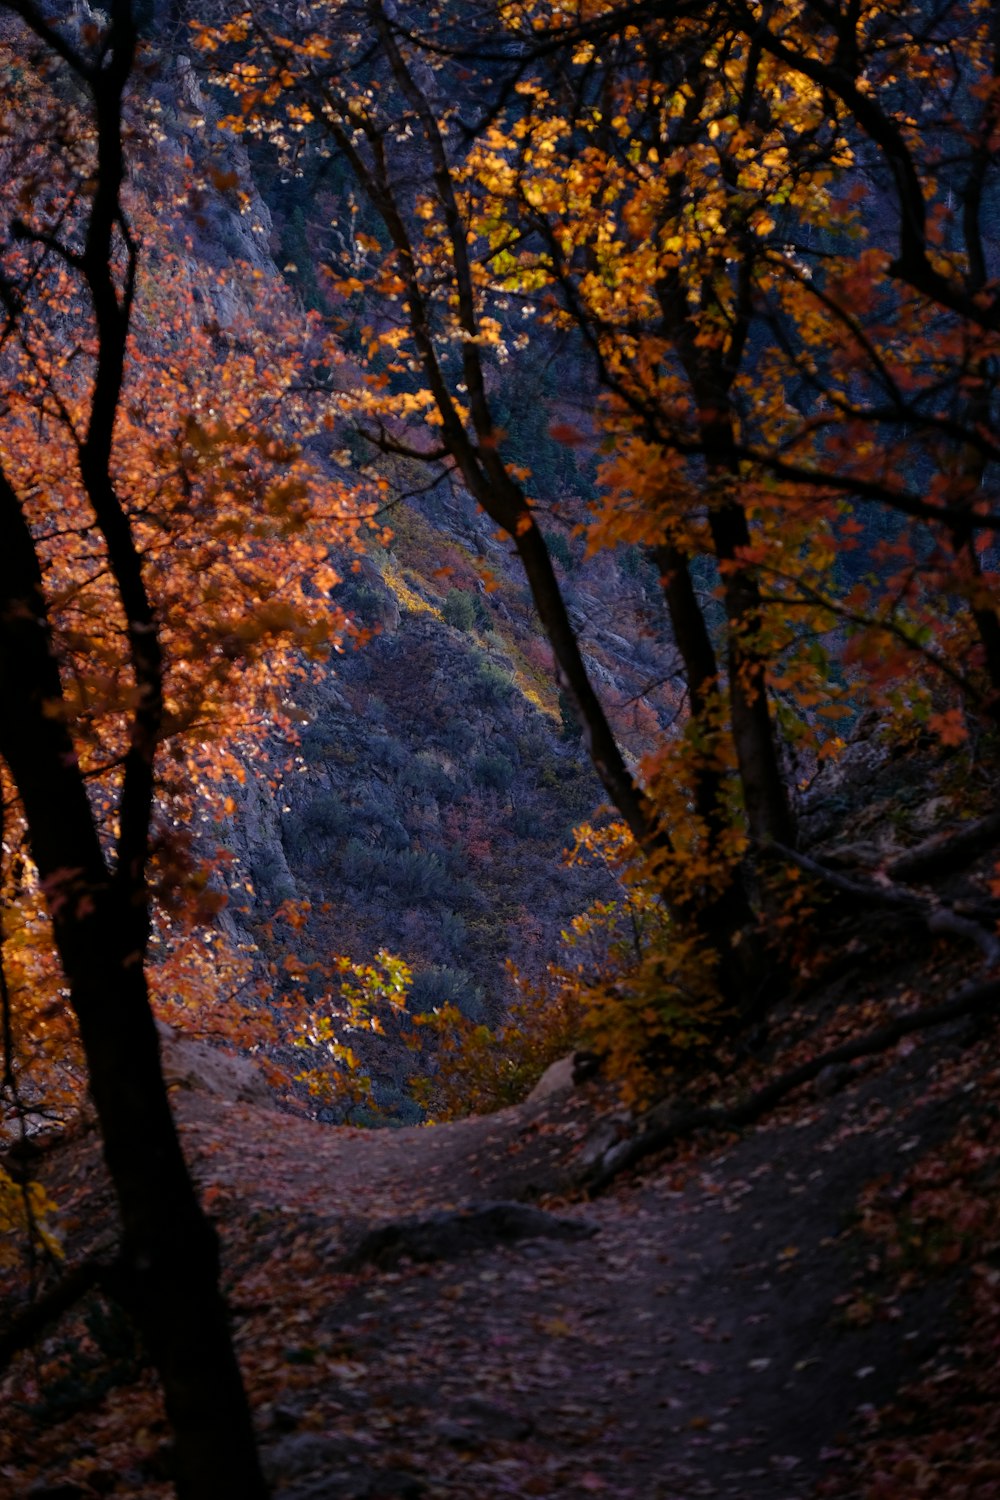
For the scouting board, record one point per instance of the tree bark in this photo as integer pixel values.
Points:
(727, 917)
(769, 813)
(169, 1255)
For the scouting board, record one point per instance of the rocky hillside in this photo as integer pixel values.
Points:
(431, 779)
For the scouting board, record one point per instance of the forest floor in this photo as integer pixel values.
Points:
(810, 1306)
(730, 1323)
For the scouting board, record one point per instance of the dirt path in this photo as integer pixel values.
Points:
(695, 1345)
(697, 1342)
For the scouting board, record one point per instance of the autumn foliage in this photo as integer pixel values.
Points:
(756, 240)
(766, 240)
(766, 247)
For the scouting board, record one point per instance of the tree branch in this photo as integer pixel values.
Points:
(970, 1001)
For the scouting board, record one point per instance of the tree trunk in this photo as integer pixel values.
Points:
(726, 918)
(701, 671)
(711, 371)
(169, 1250)
(572, 671)
(769, 813)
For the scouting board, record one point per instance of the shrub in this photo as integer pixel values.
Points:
(473, 1070)
(379, 815)
(440, 987)
(454, 933)
(358, 864)
(494, 771)
(357, 597)
(310, 830)
(459, 609)
(492, 685)
(384, 750)
(415, 875)
(318, 739)
(391, 1105)
(271, 876)
(569, 722)
(525, 822)
(559, 549)
(326, 817)
(424, 774)
(457, 736)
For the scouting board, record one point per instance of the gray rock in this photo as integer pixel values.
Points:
(449, 1235)
(600, 1143)
(557, 1079)
(205, 1069)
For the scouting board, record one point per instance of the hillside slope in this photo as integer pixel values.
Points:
(419, 793)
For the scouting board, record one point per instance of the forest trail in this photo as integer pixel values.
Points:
(718, 1328)
(695, 1345)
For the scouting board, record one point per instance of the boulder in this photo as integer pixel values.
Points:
(202, 1068)
(557, 1079)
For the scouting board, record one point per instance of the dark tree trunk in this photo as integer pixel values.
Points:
(711, 369)
(701, 670)
(169, 1258)
(727, 917)
(687, 620)
(571, 669)
(769, 813)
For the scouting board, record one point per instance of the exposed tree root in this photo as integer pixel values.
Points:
(970, 1001)
(25, 1328)
(944, 854)
(935, 917)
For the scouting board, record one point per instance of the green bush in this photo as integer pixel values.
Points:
(326, 817)
(559, 549)
(358, 864)
(439, 986)
(459, 609)
(271, 878)
(424, 774)
(415, 876)
(454, 932)
(492, 686)
(494, 771)
(360, 598)
(311, 829)
(569, 723)
(525, 822)
(386, 751)
(458, 736)
(379, 815)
